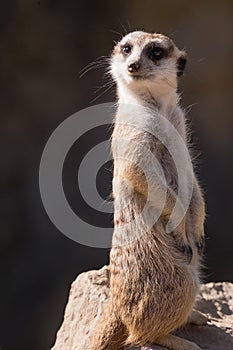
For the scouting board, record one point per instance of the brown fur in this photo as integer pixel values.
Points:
(153, 281)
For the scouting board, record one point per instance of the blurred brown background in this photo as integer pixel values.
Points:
(43, 46)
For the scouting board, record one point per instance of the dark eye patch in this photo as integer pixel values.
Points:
(156, 53)
(126, 49)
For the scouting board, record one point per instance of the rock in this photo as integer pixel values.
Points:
(88, 296)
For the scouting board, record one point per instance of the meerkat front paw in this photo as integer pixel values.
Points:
(200, 244)
(198, 318)
(188, 252)
(184, 248)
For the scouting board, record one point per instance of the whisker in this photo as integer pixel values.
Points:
(88, 70)
(104, 92)
(123, 27)
(115, 32)
(98, 59)
(92, 64)
(170, 83)
(102, 61)
(98, 88)
(189, 108)
(129, 26)
(165, 69)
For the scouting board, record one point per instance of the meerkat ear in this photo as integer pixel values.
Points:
(181, 63)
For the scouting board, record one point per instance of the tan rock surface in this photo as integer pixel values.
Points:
(89, 293)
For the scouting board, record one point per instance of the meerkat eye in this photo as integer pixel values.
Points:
(126, 49)
(156, 53)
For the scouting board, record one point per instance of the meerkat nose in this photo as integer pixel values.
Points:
(134, 67)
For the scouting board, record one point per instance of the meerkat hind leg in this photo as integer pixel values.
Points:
(173, 342)
(110, 333)
(198, 318)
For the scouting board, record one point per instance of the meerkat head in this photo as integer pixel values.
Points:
(145, 59)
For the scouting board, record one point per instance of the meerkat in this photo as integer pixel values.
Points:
(154, 274)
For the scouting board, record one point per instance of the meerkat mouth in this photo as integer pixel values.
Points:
(141, 76)
(137, 77)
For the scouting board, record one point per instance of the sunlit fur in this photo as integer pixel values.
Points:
(154, 280)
